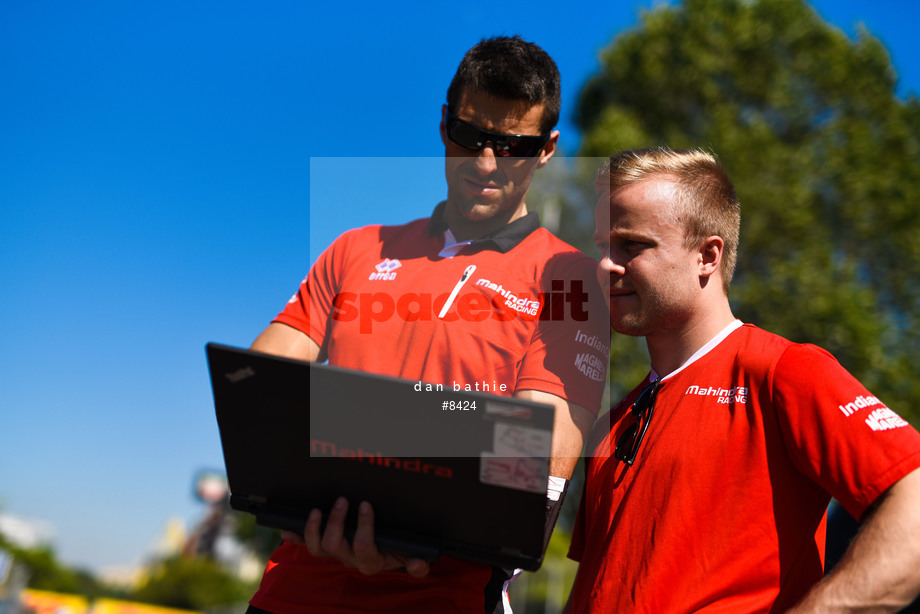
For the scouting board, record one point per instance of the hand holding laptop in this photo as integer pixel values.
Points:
(362, 553)
(495, 457)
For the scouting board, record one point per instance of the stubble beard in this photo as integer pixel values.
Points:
(656, 312)
(477, 216)
(474, 210)
(630, 325)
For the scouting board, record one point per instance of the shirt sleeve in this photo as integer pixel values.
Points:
(839, 434)
(310, 309)
(569, 352)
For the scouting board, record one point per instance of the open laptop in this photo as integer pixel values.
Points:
(448, 472)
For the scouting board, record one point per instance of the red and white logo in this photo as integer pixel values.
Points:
(730, 396)
(880, 418)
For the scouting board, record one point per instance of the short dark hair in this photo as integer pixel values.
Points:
(509, 67)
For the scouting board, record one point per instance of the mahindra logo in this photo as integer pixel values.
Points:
(415, 465)
(520, 304)
(731, 396)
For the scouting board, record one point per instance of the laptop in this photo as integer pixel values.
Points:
(448, 471)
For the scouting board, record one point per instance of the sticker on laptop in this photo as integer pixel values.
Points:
(517, 440)
(508, 410)
(519, 473)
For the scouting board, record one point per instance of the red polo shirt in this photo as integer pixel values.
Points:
(517, 310)
(724, 509)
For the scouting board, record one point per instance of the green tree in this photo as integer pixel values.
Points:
(195, 583)
(262, 541)
(46, 572)
(824, 155)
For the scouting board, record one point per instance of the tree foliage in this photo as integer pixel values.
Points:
(824, 155)
(262, 541)
(46, 572)
(194, 583)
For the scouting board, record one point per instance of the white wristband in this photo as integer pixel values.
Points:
(554, 488)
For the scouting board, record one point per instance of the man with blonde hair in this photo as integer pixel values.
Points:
(707, 486)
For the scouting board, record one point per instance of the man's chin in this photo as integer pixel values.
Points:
(477, 211)
(629, 326)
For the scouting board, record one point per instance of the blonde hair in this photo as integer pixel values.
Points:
(706, 203)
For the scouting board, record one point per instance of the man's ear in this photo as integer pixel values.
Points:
(710, 255)
(443, 126)
(549, 149)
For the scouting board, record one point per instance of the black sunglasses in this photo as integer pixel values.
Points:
(629, 442)
(471, 137)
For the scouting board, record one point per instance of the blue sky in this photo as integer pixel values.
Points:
(155, 173)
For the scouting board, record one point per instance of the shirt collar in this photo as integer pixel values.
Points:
(502, 240)
(725, 332)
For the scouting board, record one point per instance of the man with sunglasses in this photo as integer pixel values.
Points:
(477, 296)
(707, 486)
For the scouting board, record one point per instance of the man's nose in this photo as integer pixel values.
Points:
(486, 159)
(608, 265)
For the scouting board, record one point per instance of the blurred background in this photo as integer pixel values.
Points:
(168, 172)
